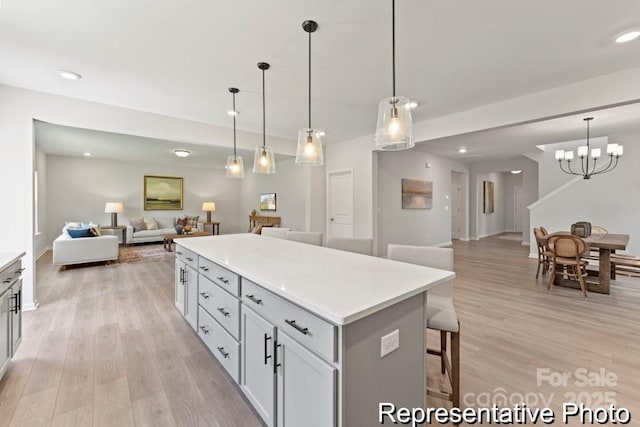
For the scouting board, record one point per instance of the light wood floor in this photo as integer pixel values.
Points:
(107, 346)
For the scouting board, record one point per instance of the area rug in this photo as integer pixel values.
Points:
(143, 253)
(514, 237)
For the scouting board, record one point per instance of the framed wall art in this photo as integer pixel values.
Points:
(268, 202)
(487, 196)
(417, 194)
(162, 193)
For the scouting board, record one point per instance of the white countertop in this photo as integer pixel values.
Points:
(339, 286)
(7, 258)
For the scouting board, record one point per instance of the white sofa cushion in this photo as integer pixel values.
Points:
(67, 250)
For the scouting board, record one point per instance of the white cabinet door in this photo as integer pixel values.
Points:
(5, 348)
(180, 292)
(191, 292)
(258, 380)
(16, 317)
(306, 386)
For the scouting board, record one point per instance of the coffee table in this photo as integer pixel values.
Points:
(167, 239)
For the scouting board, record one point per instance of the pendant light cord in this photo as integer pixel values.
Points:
(264, 137)
(234, 127)
(393, 44)
(309, 81)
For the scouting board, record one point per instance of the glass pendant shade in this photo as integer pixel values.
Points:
(235, 167)
(264, 161)
(394, 129)
(309, 151)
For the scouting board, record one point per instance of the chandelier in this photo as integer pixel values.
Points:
(586, 153)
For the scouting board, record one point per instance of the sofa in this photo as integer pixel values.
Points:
(164, 226)
(68, 250)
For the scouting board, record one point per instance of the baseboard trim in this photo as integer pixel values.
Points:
(443, 244)
(31, 306)
(44, 251)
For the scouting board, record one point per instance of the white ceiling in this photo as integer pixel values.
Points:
(178, 58)
(73, 142)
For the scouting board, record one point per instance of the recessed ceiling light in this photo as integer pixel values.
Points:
(462, 150)
(86, 154)
(69, 75)
(232, 113)
(628, 36)
(516, 172)
(181, 153)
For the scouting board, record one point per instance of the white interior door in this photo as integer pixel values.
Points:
(457, 213)
(340, 198)
(517, 213)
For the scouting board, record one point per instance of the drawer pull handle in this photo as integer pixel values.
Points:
(266, 340)
(222, 279)
(223, 311)
(179, 253)
(19, 271)
(254, 299)
(225, 354)
(204, 268)
(204, 295)
(204, 329)
(189, 259)
(7, 280)
(295, 326)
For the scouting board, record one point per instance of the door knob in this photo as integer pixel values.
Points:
(331, 219)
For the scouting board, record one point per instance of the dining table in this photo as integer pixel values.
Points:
(606, 243)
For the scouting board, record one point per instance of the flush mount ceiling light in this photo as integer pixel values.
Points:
(232, 112)
(394, 128)
(613, 150)
(462, 150)
(516, 172)
(628, 36)
(181, 153)
(309, 151)
(235, 167)
(69, 75)
(86, 154)
(264, 160)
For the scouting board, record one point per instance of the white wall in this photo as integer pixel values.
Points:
(610, 200)
(491, 223)
(414, 226)
(529, 174)
(290, 183)
(80, 187)
(512, 182)
(41, 242)
(20, 107)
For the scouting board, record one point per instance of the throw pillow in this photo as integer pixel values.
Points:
(79, 232)
(95, 231)
(138, 224)
(152, 224)
(89, 224)
(181, 221)
(192, 221)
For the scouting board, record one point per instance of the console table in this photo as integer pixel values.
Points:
(215, 227)
(299, 328)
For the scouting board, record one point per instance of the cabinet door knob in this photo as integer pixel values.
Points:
(225, 354)
(204, 295)
(295, 326)
(254, 299)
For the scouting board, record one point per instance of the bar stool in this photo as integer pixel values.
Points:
(441, 314)
(358, 245)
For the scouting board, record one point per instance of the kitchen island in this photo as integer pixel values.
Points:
(313, 336)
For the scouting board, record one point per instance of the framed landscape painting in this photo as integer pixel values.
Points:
(162, 193)
(417, 194)
(268, 202)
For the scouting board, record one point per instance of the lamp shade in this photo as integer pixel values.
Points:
(394, 129)
(264, 160)
(309, 150)
(208, 206)
(113, 207)
(235, 167)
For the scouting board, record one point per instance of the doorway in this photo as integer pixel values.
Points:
(340, 203)
(457, 205)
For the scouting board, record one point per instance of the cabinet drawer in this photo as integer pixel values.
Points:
(306, 328)
(228, 280)
(187, 256)
(224, 307)
(221, 344)
(10, 274)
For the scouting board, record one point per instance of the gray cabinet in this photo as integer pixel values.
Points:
(306, 386)
(258, 381)
(5, 335)
(186, 296)
(10, 307)
(16, 316)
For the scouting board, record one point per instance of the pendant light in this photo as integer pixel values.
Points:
(264, 161)
(393, 131)
(235, 167)
(309, 151)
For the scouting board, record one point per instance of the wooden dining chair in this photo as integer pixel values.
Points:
(567, 250)
(544, 231)
(544, 254)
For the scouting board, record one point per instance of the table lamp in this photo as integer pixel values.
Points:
(208, 207)
(114, 208)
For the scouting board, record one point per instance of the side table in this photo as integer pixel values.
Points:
(121, 228)
(215, 227)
